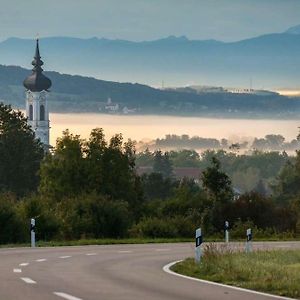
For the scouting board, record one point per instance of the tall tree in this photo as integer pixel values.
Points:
(78, 166)
(216, 182)
(63, 172)
(20, 153)
(162, 164)
(288, 182)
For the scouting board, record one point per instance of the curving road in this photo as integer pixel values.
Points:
(121, 272)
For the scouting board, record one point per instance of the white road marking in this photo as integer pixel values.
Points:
(23, 264)
(167, 267)
(90, 254)
(66, 296)
(17, 271)
(28, 280)
(41, 260)
(162, 249)
(66, 256)
(125, 251)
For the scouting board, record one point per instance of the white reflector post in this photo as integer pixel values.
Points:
(198, 242)
(249, 240)
(226, 231)
(32, 232)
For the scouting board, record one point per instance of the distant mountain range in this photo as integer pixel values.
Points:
(271, 60)
(293, 30)
(85, 94)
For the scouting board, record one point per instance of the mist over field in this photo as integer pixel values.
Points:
(146, 129)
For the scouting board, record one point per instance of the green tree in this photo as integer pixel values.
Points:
(144, 158)
(155, 186)
(218, 187)
(162, 164)
(185, 158)
(20, 153)
(216, 182)
(288, 182)
(94, 216)
(78, 166)
(12, 230)
(63, 173)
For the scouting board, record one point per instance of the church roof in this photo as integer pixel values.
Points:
(37, 81)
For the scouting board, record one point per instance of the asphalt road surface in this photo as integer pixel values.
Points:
(120, 272)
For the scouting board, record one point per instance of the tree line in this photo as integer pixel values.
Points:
(271, 142)
(90, 189)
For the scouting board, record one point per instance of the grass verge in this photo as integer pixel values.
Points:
(276, 272)
(84, 242)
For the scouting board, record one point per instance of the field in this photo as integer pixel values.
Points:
(276, 272)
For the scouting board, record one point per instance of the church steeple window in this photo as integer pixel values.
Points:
(30, 112)
(42, 113)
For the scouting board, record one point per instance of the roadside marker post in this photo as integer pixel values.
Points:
(32, 232)
(199, 241)
(249, 240)
(226, 232)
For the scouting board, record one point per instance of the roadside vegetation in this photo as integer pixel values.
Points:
(90, 190)
(276, 272)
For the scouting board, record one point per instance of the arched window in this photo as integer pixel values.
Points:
(42, 113)
(30, 112)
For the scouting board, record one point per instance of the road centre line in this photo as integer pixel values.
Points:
(23, 264)
(66, 256)
(28, 280)
(91, 254)
(162, 249)
(167, 269)
(124, 251)
(66, 296)
(41, 260)
(17, 271)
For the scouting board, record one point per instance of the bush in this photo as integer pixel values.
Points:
(44, 213)
(239, 228)
(178, 226)
(12, 230)
(94, 216)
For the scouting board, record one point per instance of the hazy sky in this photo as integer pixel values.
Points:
(147, 19)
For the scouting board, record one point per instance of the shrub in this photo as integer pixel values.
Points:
(178, 226)
(94, 216)
(12, 230)
(47, 222)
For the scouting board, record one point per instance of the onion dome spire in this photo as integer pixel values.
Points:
(37, 81)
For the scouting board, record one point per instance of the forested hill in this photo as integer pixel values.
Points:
(71, 93)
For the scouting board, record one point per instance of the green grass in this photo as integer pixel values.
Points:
(111, 241)
(276, 272)
(83, 242)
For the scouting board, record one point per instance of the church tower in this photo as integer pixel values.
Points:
(37, 87)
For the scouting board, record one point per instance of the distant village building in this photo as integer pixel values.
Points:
(111, 107)
(251, 91)
(37, 87)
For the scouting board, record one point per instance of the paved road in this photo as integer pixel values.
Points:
(120, 272)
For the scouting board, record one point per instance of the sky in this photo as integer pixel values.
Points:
(136, 20)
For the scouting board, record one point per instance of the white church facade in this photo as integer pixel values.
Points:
(37, 89)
